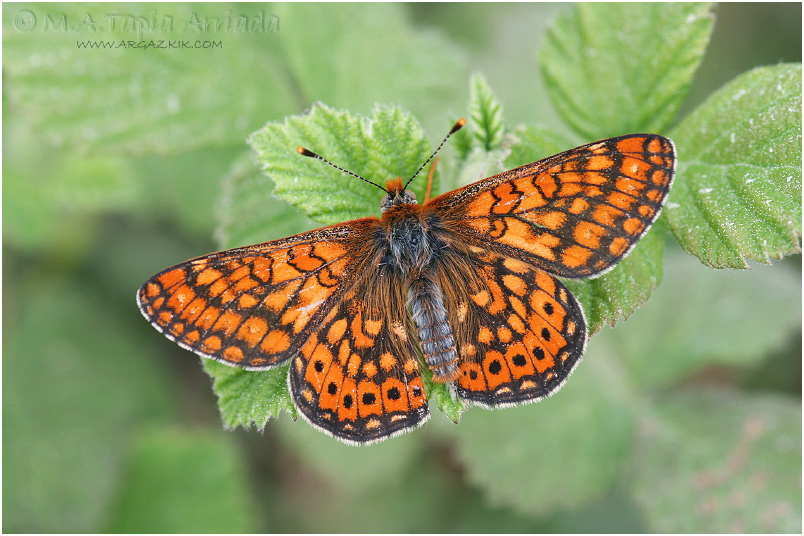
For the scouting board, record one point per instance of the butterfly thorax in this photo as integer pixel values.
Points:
(412, 247)
(409, 244)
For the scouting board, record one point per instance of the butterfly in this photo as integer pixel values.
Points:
(465, 284)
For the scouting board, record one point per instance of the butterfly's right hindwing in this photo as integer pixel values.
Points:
(519, 332)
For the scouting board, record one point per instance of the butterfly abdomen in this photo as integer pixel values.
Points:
(426, 302)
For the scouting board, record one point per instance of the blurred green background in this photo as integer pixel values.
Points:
(685, 418)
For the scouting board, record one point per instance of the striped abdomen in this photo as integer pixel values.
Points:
(426, 303)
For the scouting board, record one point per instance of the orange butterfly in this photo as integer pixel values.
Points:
(467, 280)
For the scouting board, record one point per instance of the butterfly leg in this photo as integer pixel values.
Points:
(430, 181)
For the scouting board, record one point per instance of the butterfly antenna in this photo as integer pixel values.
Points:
(306, 152)
(455, 128)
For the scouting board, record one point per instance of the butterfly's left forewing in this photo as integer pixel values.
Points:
(254, 307)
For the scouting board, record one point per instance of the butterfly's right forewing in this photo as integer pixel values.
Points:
(575, 214)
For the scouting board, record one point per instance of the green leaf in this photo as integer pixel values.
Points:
(623, 290)
(738, 191)
(249, 213)
(389, 143)
(699, 317)
(483, 145)
(440, 395)
(485, 112)
(180, 481)
(715, 462)
(250, 398)
(557, 454)
(532, 143)
(613, 69)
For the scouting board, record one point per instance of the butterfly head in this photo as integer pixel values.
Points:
(397, 195)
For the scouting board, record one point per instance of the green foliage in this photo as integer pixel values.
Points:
(249, 398)
(185, 482)
(740, 193)
(615, 69)
(438, 395)
(139, 101)
(615, 295)
(486, 143)
(485, 113)
(735, 472)
(113, 161)
(390, 143)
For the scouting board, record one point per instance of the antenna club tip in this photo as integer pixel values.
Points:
(305, 152)
(458, 124)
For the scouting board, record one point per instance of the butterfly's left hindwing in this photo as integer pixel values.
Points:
(357, 378)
